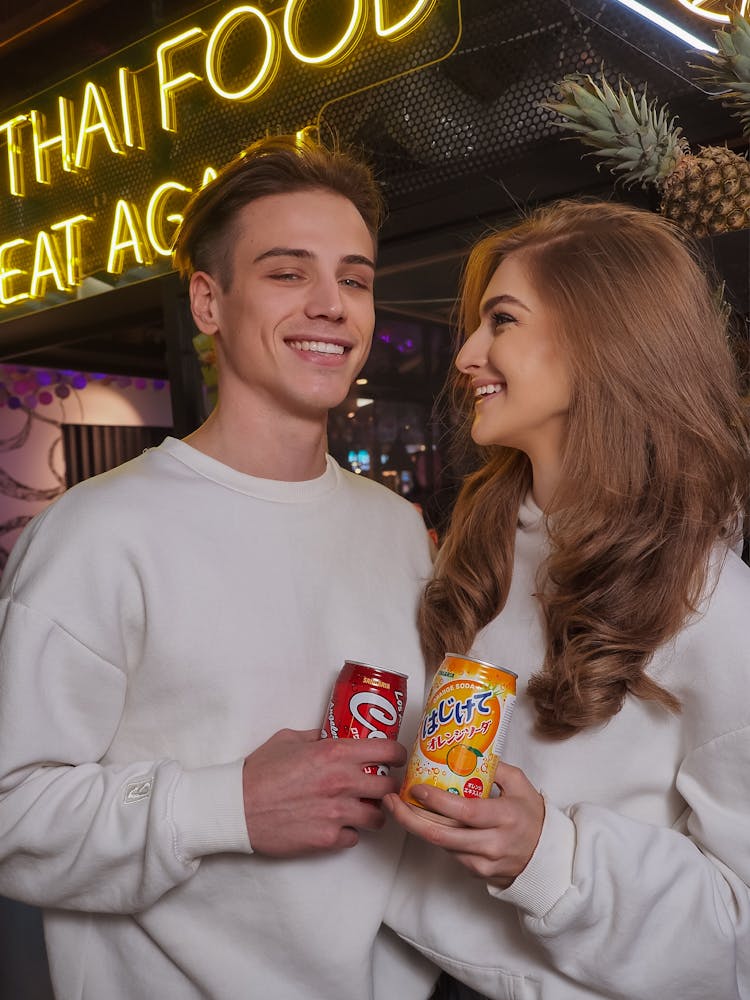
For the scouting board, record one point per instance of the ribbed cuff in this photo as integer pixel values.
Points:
(549, 873)
(208, 812)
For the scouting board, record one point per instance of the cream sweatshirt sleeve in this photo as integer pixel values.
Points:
(75, 834)
(636, 911)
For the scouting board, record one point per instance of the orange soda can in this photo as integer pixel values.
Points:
(463, 730)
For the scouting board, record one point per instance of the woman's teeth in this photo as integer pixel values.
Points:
(488, 390)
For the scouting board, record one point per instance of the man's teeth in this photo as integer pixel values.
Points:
(317, 345)
(487, 390)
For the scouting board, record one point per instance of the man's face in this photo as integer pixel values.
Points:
(294, 327)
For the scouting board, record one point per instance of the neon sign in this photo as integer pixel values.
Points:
(68, 137)
(713, 10)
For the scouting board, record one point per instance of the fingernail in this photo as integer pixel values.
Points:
(388, 803)
(419, 792)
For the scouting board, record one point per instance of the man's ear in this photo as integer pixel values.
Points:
(204, 302)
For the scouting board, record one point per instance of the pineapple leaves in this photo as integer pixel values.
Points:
(729, 69)
(635, 138)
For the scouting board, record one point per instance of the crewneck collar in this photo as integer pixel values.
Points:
(274, 490)
(530, 516)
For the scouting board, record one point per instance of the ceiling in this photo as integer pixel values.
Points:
(475, 147)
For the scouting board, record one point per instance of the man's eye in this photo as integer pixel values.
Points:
(285, 276)
(354, 283)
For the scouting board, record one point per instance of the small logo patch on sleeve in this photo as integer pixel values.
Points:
(135, 791)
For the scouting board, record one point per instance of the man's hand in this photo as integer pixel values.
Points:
(494, 838)
(304, 795)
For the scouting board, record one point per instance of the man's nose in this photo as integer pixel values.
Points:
(325, 300)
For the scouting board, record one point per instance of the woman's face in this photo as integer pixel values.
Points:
(520, 379)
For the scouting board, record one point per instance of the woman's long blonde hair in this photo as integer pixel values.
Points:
(655, 467)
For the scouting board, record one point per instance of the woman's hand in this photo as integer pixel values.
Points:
(495, 837)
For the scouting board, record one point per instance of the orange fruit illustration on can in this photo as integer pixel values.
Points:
(462, 760)
(463, 729)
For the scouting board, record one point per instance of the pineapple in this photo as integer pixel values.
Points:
(704, 192)
(731, 69)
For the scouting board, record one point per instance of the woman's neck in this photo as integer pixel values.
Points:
(544, 483)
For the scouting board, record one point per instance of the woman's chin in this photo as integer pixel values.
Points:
(484, 436)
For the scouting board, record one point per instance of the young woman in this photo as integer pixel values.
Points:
(592, 553)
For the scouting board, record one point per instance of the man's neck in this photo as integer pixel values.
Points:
(293, 450)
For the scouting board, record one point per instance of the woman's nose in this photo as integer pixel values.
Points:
(473, 353)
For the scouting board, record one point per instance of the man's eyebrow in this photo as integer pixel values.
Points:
(283, 252)
(358, 258)
(498, 300)
(352, 258)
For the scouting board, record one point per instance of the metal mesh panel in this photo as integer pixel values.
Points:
(479, 111)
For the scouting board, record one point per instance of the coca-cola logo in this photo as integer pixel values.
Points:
(381, 713)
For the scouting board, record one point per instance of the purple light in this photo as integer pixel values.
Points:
(21, 388)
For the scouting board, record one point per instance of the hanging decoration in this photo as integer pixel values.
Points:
(22, 387)
(705, 192)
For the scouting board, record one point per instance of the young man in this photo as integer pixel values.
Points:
(171, 632)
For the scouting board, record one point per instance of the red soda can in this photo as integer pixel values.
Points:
(367, 703)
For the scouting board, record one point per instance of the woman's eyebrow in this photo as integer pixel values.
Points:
(498, 300)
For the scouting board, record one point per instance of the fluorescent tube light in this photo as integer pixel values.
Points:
(661, 22)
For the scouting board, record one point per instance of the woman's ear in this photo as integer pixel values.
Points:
(204, 302)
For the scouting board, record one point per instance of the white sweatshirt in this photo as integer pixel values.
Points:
(638, 888)
(158, 624)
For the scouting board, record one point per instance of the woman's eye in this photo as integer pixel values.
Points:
(501, 319)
